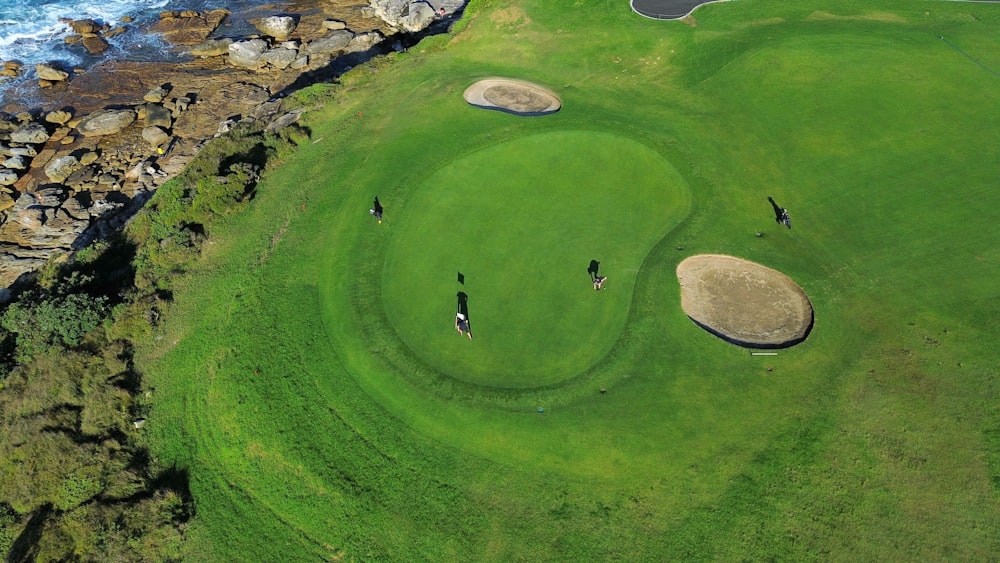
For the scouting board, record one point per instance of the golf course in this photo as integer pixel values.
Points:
(310, 382)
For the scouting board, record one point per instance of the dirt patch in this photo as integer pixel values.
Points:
(744, 302)
(514, 96)
(510, 17)
(874, 16)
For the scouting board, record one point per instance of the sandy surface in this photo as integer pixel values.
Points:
(744, 302)
(514, 96)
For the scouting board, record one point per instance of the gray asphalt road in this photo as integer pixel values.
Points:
(666, 9)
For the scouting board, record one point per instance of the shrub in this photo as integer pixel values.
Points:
(60, 320)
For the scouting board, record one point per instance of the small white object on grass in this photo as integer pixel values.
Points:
(763, 353)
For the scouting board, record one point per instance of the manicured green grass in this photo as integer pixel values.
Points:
(311, 382)
(521, 222)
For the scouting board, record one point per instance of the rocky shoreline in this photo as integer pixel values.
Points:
(75, 169)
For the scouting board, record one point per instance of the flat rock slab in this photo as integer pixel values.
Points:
(514, 96)
(744, 302)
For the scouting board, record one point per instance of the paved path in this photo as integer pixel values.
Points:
(675, 9)
(667, 9)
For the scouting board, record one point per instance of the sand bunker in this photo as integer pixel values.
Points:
(513, 96)
(743, 302)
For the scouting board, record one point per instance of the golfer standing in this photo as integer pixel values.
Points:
(462, 325)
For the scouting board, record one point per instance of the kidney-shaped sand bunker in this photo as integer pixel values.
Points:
(744, 302)
(513, 96)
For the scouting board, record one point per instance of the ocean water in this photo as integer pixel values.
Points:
(31, 32)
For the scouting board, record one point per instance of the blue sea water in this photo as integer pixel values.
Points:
(31, 31)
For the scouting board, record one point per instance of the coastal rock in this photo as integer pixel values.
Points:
(7, 177)
(224, 93)
(28, 218)
(88, 158)
(278, 27)
(74, 208)
(105, 122)
(246, 54)
(7, 126)
(156, 95)
(155, 115)
(212, 48)
(331, 43)
(22, 151)
(40, 228)
(404, 14)
(155, 136)
(279, 58)
(238, 98)
(81, 179)
(50, 73)
(95, 45)
(83, 27)
(284, 121)
(51, 196)
(59, 169)
(30, 134)
(14, 163)
(59, 117)
(364, 41)
(189, 27)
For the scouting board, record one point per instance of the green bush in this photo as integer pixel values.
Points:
(168, 234)
(79, 486)
(10, 526)
(61, 320)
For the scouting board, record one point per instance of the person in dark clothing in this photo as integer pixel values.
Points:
(780, 214)
(462, 325)
(376, 210)
(462, 316)
(594, 277)
(593, 268)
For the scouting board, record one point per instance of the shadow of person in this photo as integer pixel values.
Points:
(463, 304)
(593, 268)
(779, 213)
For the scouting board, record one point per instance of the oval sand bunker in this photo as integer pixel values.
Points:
(743, 302)
(514, 96)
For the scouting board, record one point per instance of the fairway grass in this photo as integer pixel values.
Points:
(310, 382)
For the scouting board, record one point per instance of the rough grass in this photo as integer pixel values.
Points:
(313, 423)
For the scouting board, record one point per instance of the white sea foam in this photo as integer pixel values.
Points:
(31, 31)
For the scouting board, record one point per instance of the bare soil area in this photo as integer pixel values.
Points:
(514, 96)
(744, 302)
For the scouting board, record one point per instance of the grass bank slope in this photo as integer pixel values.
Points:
(303, 383)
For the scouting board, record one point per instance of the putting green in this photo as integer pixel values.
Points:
(521, 221)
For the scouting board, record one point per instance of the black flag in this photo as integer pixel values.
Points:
(461, 278)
